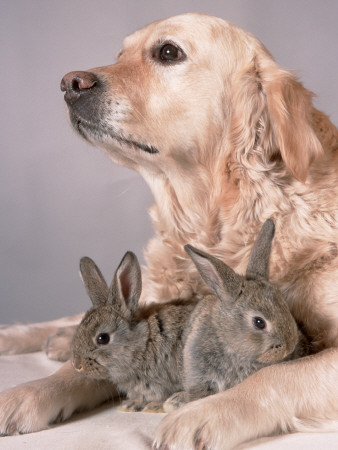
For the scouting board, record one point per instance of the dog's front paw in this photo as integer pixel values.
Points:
(186, 428)
(57, 345)
(27, 408)
(215, 422)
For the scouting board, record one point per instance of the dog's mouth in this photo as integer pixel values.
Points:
(101, 133)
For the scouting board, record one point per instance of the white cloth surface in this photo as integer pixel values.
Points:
(106, 428)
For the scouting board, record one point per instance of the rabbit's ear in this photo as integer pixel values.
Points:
(260, 254)
(94, 282)
(216, 274)
(126, 287)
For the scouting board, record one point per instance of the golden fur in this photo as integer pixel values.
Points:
(239, 141)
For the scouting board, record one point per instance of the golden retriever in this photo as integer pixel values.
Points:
(225, 139)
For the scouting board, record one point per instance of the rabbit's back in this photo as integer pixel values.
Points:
(168, 330)
(160, 371)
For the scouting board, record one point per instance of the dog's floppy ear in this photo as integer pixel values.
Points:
(289, 107)
(272, 110)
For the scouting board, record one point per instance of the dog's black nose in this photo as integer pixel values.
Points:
(75, 84)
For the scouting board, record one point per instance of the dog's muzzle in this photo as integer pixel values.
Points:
(89, 106)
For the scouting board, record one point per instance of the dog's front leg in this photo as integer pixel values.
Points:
(291, 396)
(15, 339)
(34, 405)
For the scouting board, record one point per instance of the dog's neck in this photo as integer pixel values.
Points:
(221, 217)
(187, 204)
(207, 207)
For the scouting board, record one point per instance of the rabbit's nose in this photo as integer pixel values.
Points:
(77, 364)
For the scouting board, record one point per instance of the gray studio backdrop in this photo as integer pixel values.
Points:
(61, 199)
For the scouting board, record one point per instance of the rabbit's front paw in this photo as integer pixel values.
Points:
(57, 346)
(176, 401)
(132, 405)
(154, 407)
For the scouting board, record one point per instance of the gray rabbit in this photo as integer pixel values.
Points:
(183, 350)
(139, 348)
(244, 326)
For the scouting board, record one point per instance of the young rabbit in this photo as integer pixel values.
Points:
(139, 348)
(245, 326)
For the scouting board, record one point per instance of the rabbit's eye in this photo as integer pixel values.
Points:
(259, 323)
(103, 339)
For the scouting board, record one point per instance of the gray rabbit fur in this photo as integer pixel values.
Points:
(244, 327)
(164, 355)
(139, 348)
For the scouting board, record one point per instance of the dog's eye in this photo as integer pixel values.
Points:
(169, 53)
(259, 323)
(103, 339)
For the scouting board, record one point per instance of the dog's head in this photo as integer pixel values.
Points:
(193, 90)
